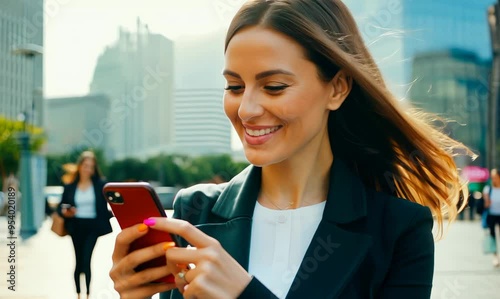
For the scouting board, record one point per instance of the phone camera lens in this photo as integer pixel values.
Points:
(115, 197)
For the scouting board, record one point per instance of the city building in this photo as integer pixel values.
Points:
(431, 25)
(201, 126)
(78, 122)
(21, 77)
(440, 39)
(397, 30)
(454, 84)
(136, 73)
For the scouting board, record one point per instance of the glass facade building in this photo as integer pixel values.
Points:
(447, 24)
(454, 85)
(201, 126)
(398, 30)
(21, 78)
(136, 74)
(437, 55)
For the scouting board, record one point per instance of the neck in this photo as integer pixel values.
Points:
(298, 183)
(84, 180)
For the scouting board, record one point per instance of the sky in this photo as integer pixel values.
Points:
(77, 31)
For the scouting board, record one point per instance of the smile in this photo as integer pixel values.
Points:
(258, 133)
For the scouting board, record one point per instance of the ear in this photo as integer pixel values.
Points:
(341, 87)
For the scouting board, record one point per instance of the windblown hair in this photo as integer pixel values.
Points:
(394, 151)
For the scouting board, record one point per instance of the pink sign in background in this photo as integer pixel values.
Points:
(475, 174)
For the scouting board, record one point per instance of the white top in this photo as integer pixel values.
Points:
(279, 241)
(85, 203)
(495, 200)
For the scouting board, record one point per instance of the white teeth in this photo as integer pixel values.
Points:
(258, 133)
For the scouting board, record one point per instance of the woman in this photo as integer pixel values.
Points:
(319, 213)
(86, 214)
(491, 196)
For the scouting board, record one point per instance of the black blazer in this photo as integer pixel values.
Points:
(102, 225)
(368, 244)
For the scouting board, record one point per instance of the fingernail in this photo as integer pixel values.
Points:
(142, 227)
(168, 245)
(182, 266)
(149, 222)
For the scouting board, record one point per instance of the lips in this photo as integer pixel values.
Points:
(261, 132)
(260, 135)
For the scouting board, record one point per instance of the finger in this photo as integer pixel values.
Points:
(140, 256)
(184, 256)
(181, 282)
(124, 238)
(148, 276)
(182, 228)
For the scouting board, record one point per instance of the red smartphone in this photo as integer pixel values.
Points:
(131, 203)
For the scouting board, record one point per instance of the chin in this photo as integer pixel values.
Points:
(258, 158)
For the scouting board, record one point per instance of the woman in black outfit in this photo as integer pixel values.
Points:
(86, 214)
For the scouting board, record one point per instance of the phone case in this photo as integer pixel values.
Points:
(139, 202)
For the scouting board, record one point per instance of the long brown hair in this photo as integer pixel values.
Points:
(394, 151)
(73, 171)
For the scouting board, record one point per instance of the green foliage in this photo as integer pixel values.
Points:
(166, 170)
(10, 151)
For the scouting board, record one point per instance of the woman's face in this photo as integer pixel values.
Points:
(495, 178)
(274, 97)
(87, 168)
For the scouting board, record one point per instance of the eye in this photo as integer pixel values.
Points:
(235, 88)
(275, 89)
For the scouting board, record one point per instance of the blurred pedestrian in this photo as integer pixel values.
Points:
(10, 182)
(491, 194)
(86, 214)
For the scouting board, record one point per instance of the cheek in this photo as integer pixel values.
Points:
(231, 109)
(296, 108)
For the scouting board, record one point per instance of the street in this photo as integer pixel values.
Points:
(45, 266)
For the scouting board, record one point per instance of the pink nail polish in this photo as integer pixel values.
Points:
(149, 222)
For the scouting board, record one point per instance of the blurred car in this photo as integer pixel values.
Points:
(53, 196)
(166, 196)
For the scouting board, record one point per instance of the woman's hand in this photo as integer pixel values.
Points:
(131, 284)
(216, 273)
(68, 213)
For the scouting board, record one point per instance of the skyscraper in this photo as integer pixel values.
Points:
(21, 23)
(77, 122)
(454, 84)
(136, 73)
(397, 30)
(201, 126)
(442, 25)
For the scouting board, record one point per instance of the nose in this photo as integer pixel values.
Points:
(250, 106)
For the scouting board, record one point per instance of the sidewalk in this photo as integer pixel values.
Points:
(45, 265)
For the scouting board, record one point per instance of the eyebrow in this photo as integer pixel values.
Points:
(261, 75)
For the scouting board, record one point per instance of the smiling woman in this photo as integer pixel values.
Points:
(340, 197)
(269, 101)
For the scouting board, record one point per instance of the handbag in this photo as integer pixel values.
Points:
(58, 225)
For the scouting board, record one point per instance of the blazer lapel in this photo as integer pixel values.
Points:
(234, 237)
(71, 193)
(335, 252)
(236, 203)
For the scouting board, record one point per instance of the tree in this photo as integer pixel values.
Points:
(131, 169)
(10, 151)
